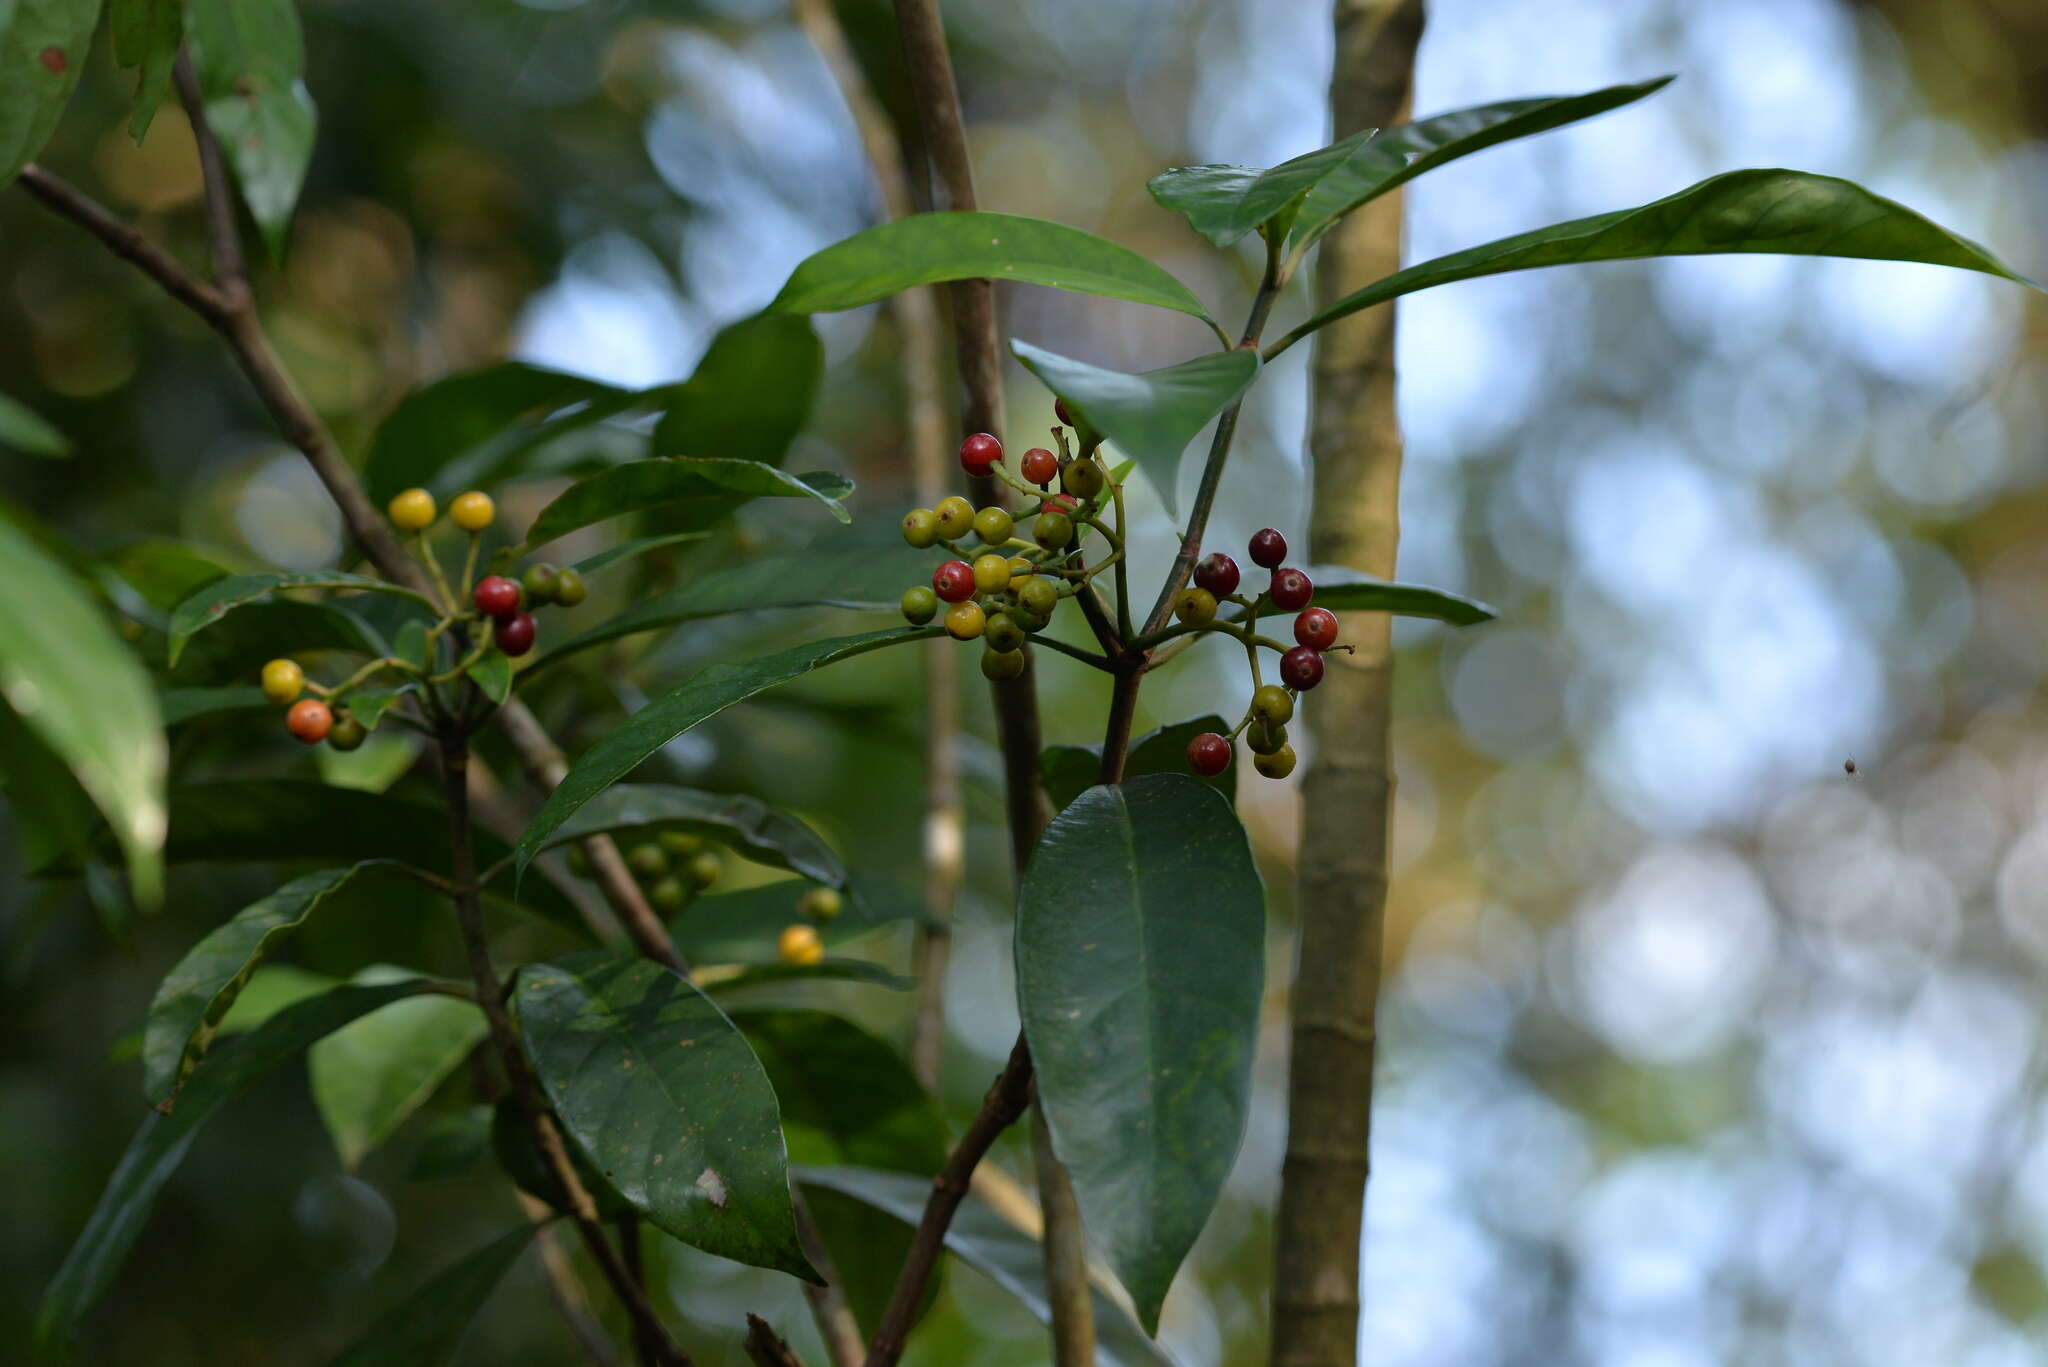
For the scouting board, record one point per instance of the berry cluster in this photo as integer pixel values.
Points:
(799, 942)
(671, 868)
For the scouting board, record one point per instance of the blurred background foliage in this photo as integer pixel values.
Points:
(1700, 1047)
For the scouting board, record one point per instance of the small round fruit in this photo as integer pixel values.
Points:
(979, 452)
(1217, 573)
(1316, 628)
(921, 527)
(648, 859)
(1265, 737)
(347, 733)
(991, 572)
(570, 589)
(497, 596)
(1003, 633)
(1196, 607)
(1082, 478)
(1021, 569)
(309, 720)
(704, 870)
(283, 681)
(1038, 596)
(1301, 668)
(1059, 503)
(821, 905)
(667, 895)
(799, 944)
(1279, 764)
(1291, 590)
(1059, 410)
(993, 525)
(1209, 754)
(412, 511)
(1041, 466)
(1272, 703)
(1029, 620)
(1053, 530)
(1001, 664)
(955, 515)
(954, 581)
(680, 843)
(473, 511)
(515, 634)
(540, 582)
(920, 605)
(964, 621)
(1268, 548)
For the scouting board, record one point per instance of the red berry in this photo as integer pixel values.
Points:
(954, 581)
(1268, 548)
(1291, 590)
(309, 720)
(1059, 410)
(1041, 466)
(1316, 628)
(1209, 754)
(979, 452)
(497, 596)
(1217, 573)
(1301, 668)
(1060, 503)
(515, 633)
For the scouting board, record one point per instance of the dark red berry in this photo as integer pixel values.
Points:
(1217, 573)
(1041, 466)
(1209, 754)
(1301, 668)
(1316, 628)
(1291, 590)
(515, 633)
(979, 452)
(497, 596)
(1059, 410)
(954, 581)
(1059, 503)
(1268, 548)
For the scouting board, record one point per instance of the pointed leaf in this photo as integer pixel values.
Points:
(470, 430)
(368, 705)
(146, 35)
(762, 833)
(43, 46)
(1343, 589)
(643, 484)
(426, 1328)
(368, 1077)
(222, 597)
(925, 249)
(22, 428)
(251, 62)
(1150, 417)
(750, 395)
(699, 698)
(664, 1097)
(1140, 959)
(1070, 770)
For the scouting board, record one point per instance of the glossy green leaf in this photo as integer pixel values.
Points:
(160, 1145)
(80, 691)
(1140, 960)
(762, 833)
(492, 673)
(180, 705)
(998, 1250)
(750, 395)
(632, 550)
(54, 820)
(741, 927)
(1149, 417)
(218, 599)
(1071, 770)
(642, 484)
(732, 977)
(372, 1074)
(1793, 213)
(1342, 589)
(234, 649)
(146, 35)
(453, 1147)
(426, 1328)
(471, 430)
(925, 249)
(699, 698)
(43, 47)
(22, 428)
(251, 62)
(664, 1097)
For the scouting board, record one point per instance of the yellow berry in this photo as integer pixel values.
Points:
(964, 621)
(991, 573)
(472, 511)
(283, 681)
(800, 945)
(412, 511)
(821, 904)
(955, 515)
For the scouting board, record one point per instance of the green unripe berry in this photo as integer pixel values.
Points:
(347, 733)
(704, 870)
(570, 589)
(1279, 764)
(993, 526)
(920, 605)
(1039, 596)
(1272, 703)
(1029, 620)
(1002, 664)
(1196, 607)
(1002, 633)
(1265, 737)
(821, 905)
(540, 582)
(681, 843)
(667, 894)
(1053, 530)
(921, 528)
(647, 861)
(1082, 478)
(991, 573)
(955, 515)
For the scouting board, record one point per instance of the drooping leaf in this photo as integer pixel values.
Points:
(1792, 213)
(925, 249)
(631, 550)
(234, 649)
(146, 35)
(222, 597)
(750, 395)
(22, 428)
(159, 1146)
(1070, 770)
(643, 484)
(741, 927)
(53, 818)
(762, 833)
(990, 1245)
(664, 1097)
(1140, 960)
(1149, 417)
(1343, 589)
(79, 690)
(426, 1328)
(43, 46)
(369, 1076)
(251, 62)
(733, 977)
(492, 673)
(699, 698)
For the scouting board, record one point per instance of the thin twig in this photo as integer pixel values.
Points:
(766, 1347)
(829, 1308)
(230, 275)
(125, 242)
(563, 1287)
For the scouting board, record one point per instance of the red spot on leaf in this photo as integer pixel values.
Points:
(54, 61)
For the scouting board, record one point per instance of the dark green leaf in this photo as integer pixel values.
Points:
(426, 1328)
(733, 977)
(1140, 959)
(368, 705)
(235, 648)
(470, 430)
(749, 825)
(741, 927)
(218, 599)
(54, 820)
(664, 1097)
(992, 1246)
(414, 646)
(1342, 589)
(368, 1077)
(1792, 213)
(643, 484)
(165, 571)
(520, 1158)
(27, 432)
(1150, 417)
(80, 691)
(703, 696)
(146, 35)
(1070, 770)
(925, 249)
(186, 704)
(453, 1146)
(43, 46)
(751, 394)
(629, 550)
(159, 1146)
(492, 673)
(250, 60)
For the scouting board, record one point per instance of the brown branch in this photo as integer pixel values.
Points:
(1065, 1253)
(230, 275)
(766, 1347)
(563, 1287)
(126, 242)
